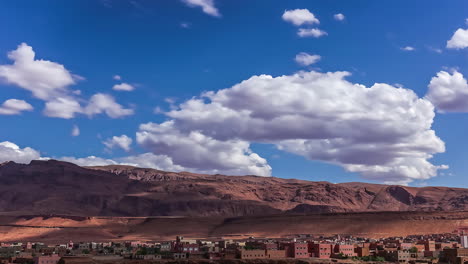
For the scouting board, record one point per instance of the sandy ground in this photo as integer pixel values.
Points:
(64, 228)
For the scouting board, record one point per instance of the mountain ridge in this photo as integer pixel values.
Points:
(56, 187)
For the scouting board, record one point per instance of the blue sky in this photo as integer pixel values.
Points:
(171, 51)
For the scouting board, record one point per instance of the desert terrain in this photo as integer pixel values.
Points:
(59, 201)
(374, 225)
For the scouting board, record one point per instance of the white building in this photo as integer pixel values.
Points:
(464, 241)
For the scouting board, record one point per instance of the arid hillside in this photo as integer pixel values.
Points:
(376, 225)
(59, 201)
(54, 187)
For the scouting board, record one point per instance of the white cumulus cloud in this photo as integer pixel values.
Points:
(89, 161)
(306, 59)
(150, 160)
(145, 160)
(339, 17)
(45, 79)
(459, 39)
(68, 107)
(50, 81)
(62, 107)
(382, 132)
(300, 17)
(12, 152)
(123, 87)
(207, 6)
(14, 107)
(124, 142)
(448, 92)
(311, 32)
(104, 103)
(200, 152)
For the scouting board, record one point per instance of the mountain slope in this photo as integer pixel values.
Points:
(54, 187)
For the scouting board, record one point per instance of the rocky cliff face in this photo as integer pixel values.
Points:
(54, 187)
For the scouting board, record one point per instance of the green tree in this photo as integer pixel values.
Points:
(413, 250)
(380, 259)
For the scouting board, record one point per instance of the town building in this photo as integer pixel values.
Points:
(297, 250)
(345, 250)
(50, 259)
(275, 253)
(319, 250)
(252, 254)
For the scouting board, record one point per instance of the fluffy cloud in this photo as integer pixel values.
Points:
(299, 17)
(206, 5)
(123, 87)
(397, 163)
(45, 79)
(449, 92)
(14, 107)
(68, 107)
(339, 17)
(117, 77)
(62, 107)
(122, 142)
(200, 152)
(50, 81)
(459, 39)
(382, 132)
(145, 160)
(12, 152)
(311, 32)
(150, 160)
(89, 161)
(306, 59)
(104, 103)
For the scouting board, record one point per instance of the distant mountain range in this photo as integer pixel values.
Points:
(61, 188)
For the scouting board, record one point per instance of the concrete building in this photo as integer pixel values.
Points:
(148, 257)
(346, 250)
(455, 255)
(323, 251)
(297, 250)
(252, 254)
(362, 251)
(187, 248)
(275, 253)
(51, 259)
(429, 245)
(270, 246)
(401, 256)
(179, 255)
(441, 246)
(165, 246)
